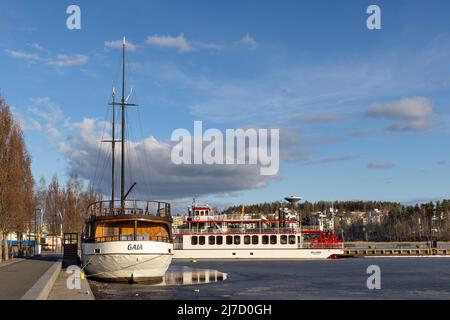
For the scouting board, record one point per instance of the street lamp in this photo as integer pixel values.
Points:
(37, 245)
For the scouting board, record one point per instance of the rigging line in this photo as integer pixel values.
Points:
(104, 169)
(146, 157)
(142, 162)
(126, 147)
(105, 156)
(133, 94)
(140, 158)
(139, 162)
(117, 65)
(99, 148)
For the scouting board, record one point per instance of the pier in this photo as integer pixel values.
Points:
(44, 277)
(396, 252)
(29, 279)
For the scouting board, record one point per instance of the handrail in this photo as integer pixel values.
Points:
(309, 245)
(126, 238)
(236, 230)
(131, 207)
(234, 216)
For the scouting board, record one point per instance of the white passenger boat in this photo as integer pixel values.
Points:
(205, 234)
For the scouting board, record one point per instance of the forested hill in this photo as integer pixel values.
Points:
(394, 221)
(309, 207)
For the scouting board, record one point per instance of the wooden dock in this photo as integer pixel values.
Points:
(353, 252)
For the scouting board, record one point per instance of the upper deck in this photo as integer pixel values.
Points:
(114, 209)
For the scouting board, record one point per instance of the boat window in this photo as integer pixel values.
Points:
(254, 239)
(291, 239)
(211, 240)
(142, 237)
(246, 239)
(150, 231)
(237, 239)
(194, 240)
(283, 239)
(229, 240)
(219, 240)
(265, 239)
(201, 240)
(273, 239)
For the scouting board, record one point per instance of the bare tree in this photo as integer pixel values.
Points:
(16, 181)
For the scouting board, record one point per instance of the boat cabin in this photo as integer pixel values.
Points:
(135, 221)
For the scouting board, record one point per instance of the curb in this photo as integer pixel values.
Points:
(42, 288)
(10, 262)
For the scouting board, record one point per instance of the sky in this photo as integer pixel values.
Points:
(363, 114)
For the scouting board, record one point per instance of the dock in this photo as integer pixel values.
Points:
(60, 291)
(354, 252)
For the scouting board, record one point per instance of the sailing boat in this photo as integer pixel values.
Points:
(126, 240)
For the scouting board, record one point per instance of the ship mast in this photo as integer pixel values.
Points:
(113, 146)
(122, 163)
(123, 104)
(113, 152)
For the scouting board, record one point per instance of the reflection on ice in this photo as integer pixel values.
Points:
(189, 276)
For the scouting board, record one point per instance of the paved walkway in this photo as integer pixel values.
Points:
(18, 277)
(61, 292)
(10, 261)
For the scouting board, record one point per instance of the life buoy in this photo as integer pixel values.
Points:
(197, 218)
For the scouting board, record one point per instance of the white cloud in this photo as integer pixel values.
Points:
(32, 125)
(53, 133)
(63, 60)
(405, 109)
(381, 165)
(45, 115)
(60, 60)
(180, 43)
(320, 117)
(415, 125)
(329, 160)
(37, 46)
(409, 114)
(46, 109)
(23, 55)
(149, 164)
(117, 44)
(28, 124)
(248, 40)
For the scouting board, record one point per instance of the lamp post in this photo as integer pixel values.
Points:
(61, 227)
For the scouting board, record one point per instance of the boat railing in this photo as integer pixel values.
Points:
(311, 245)
(130, 207)
(128, 237)
(234, 230)
(233, 216)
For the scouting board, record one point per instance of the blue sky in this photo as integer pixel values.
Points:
(363, 113)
